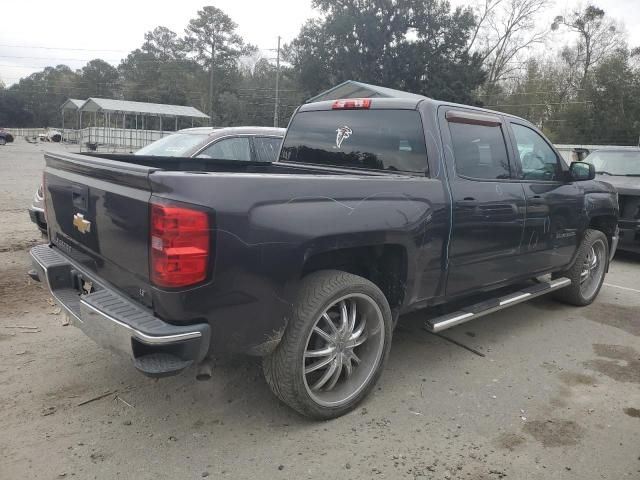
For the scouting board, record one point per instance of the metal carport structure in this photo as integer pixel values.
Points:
(72, 104)
(110, 107)
(115, 113)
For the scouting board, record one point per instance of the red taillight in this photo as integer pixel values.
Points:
(352, 104)
(179, 245)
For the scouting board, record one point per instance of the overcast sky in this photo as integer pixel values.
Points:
(74, 32)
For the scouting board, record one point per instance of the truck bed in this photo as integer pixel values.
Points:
(180, 164)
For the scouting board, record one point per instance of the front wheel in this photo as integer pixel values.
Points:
(588, 271)
(3, 141)
(335, 345)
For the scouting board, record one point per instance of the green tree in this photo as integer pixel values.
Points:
(416, 45)
(159, 72)
(504, 33)
(41, 94)
(615, 101)
(163, 44)
(212, 40)
(13, 110)
(598, 36)
(256, 93)
(139, 74)
(99, 79)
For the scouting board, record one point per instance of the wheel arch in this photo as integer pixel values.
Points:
(605, 223)
(385, 265)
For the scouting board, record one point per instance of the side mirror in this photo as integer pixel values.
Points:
(579, 171)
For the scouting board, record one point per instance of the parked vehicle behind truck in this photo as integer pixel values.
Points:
(258, 144)
(5, 137)
(620, 166)
(376, 208)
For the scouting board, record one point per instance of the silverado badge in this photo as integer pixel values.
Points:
(343, 133)
(83, 226)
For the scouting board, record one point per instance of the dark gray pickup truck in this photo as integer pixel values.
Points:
(375, 208)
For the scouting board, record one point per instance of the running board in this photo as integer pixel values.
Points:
(486, 307)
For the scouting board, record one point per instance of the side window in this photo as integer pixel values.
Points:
(480, 151)
(538, 160)
(229, 149)
(266, 148)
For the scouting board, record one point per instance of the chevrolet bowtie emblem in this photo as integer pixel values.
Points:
(83, 226)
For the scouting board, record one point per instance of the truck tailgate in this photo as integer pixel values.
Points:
(98, 214)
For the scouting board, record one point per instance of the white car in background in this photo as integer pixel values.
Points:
(248, 144)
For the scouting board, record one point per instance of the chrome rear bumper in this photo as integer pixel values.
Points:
(115, 322)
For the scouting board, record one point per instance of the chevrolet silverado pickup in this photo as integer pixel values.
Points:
(375, 208)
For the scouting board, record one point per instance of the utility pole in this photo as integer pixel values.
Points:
(211, 85)
(275, 111)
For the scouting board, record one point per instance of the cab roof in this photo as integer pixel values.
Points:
(404, 103)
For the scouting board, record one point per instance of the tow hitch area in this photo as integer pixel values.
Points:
(157, 348)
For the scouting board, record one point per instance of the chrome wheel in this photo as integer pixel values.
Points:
(343, 349)
(593, 269)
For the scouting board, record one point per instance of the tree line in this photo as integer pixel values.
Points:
(494, 53)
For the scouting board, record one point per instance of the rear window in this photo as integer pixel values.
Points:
(372, 139)
(175, 145)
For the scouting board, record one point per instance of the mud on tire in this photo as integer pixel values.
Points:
(362, 325)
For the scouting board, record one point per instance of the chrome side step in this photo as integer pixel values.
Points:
(494, 304)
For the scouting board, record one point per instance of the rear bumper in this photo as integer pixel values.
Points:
(157, 348)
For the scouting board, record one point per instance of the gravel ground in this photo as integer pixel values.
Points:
(556, 396)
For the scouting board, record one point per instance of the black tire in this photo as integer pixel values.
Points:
(284, 369)
(576, 294)
(3, 141)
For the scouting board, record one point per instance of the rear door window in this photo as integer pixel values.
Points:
(236, 148)
(267, 148)
(391, 140)
(480, 151)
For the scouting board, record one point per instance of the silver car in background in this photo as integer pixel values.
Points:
(248, 144)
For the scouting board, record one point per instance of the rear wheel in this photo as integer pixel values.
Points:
(588, 271)
(3, 141)
(335, 345)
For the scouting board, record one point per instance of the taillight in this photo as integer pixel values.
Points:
(352, 104)
(179, 245)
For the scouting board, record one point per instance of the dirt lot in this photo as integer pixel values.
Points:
(557, 395)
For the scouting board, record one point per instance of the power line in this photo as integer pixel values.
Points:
(63, 48)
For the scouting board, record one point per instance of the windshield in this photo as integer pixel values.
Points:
(176, 145)
(615, 162)
(371, 139)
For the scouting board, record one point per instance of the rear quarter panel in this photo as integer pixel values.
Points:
(267, 226)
